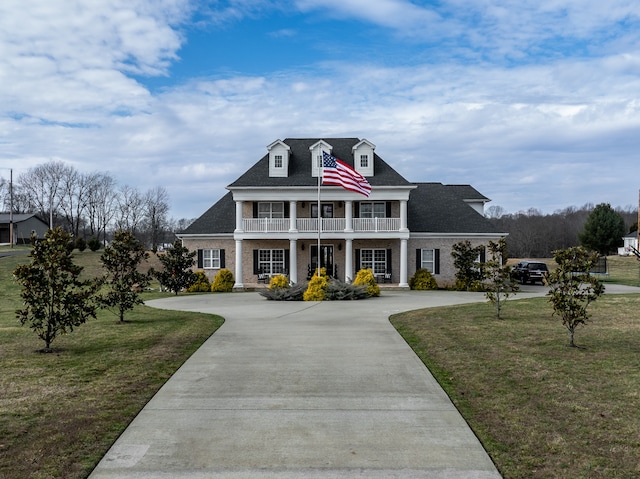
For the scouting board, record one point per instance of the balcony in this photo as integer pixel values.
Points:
(329, 225)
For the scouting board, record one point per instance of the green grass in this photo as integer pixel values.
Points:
(541, 408)
(60, 412)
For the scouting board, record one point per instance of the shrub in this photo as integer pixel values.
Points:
(93, 243)
(80, 243)
(366, 278)
(295, 292)
(201, 284)
(317, 289)
(337, 290)
(423, 280)
(223, 282)
(279, 281)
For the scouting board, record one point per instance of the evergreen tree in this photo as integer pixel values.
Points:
(121, 259)
(603, 230)
(466, 260)
(176, 274)
(55, 299)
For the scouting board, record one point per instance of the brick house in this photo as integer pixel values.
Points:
(268, 221)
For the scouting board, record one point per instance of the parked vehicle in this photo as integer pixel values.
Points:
(530, 272)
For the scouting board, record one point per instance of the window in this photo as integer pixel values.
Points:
(319, 161)
(364, 161)
(271, 261)
(374, 259)
(373, 210)
(428, 259)
(327, 210)
(277, 161)
(271, 210)
(211, 258)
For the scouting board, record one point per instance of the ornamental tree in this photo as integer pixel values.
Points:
(177, 262)
(573, 288)
(468, 269)
(500, 284)
(55, 299)
(121, 259)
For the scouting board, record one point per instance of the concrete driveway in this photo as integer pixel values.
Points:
(301, 390)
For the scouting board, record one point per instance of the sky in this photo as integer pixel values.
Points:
(536, 103)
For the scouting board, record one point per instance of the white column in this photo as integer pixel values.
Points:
(238, 284)
(239, 228)
(348, 215)
(348, 260)
(403, 264)
(293, 216)
(293, 261)
(403, 215)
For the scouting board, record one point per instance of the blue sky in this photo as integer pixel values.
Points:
(535, 103)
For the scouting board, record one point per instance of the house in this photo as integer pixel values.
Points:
(268, 221)
(23, 226)
(630, 243)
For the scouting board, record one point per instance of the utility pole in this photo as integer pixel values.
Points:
(11, 207)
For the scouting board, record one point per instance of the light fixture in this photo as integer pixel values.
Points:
(304, 204)
(302, 246)
(339, 246)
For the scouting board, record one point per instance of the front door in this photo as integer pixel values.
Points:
(326, 258)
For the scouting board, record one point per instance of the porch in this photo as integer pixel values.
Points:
(328, 225)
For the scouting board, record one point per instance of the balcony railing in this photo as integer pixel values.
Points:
(330, 225)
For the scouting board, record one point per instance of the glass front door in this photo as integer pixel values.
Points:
(326, 258)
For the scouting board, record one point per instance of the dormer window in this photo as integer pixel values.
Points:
(279, 153)
(316, 156)
(363, 157)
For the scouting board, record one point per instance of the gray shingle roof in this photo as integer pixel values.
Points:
(432, 207)
(220, 218)
(300, 166)
(18, 217)
(438, 208)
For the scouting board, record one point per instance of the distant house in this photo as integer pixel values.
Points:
(268, 222)
(23, 226)
(630, 243)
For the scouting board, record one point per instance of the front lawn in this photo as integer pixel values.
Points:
(60, 412)
(541, 409)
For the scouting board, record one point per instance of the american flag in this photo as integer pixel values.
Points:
(338, 173)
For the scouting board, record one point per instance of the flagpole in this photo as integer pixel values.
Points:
(320, 171)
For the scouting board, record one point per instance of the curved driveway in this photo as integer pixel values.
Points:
(301, 390)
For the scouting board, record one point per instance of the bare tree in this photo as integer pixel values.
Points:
(42, 184)
(130, 209)
(156, 203)
(75, 189)
(101, 204)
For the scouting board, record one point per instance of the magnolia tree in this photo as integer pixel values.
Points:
(573, 288)
(121, 259)
(176, 274)
(55, 299)
(500, 285)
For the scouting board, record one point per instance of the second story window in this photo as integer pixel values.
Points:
(373, 210)
(270, 210)
(277, 161)
(364, 161)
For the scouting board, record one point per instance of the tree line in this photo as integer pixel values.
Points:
(533, 234)
(91, 205)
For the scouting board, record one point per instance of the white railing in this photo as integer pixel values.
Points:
(265, 225)
(376, 224)
(329, 225)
